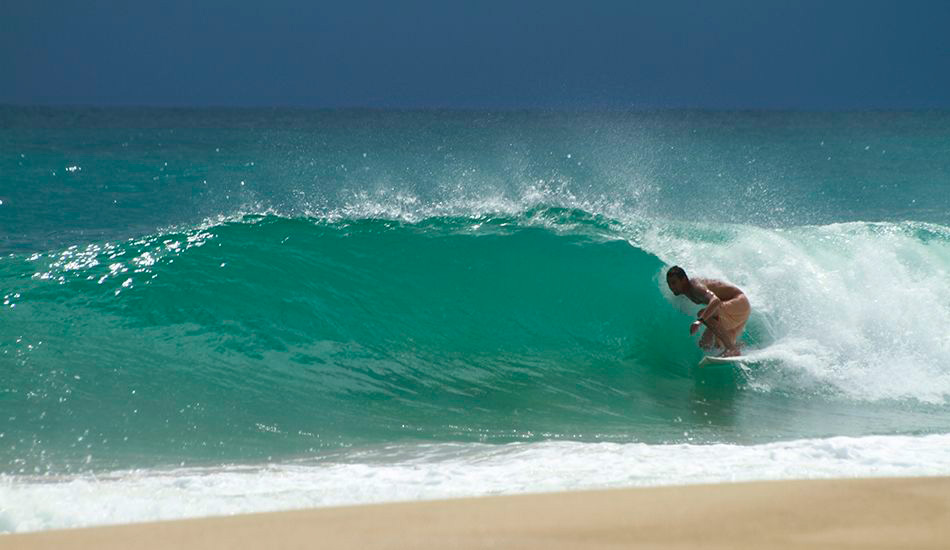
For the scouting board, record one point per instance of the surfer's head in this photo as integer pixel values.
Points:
(677, 280)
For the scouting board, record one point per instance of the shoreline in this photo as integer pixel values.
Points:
(829, 513)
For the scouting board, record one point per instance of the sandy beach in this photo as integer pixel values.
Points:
(854, 513)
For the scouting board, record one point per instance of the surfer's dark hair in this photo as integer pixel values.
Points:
(677, 271)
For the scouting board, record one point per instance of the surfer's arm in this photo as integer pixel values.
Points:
(712, 307)
(700, 321)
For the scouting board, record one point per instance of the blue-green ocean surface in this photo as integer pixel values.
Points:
(211, 311)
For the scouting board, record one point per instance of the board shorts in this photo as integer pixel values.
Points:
(734, 313)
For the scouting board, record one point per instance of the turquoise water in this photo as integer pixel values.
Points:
(232, 290)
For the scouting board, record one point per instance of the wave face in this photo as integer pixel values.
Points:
(266, 336)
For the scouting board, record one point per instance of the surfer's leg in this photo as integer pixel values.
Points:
(735, 333)
(708, 340)
(714, 325)
(733, 314)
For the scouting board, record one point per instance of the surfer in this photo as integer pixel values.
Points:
(726, 312)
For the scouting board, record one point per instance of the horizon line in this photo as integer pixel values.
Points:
(469, 108)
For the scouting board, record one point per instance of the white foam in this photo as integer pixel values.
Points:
(434, 471)
(862, 308)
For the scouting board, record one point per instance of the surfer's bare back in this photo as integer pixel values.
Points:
(726, 312)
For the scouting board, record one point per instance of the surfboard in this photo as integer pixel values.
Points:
(742, 361)
(716, 360)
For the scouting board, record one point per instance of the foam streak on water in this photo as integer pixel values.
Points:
(401, 473)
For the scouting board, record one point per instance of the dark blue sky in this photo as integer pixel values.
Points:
(717, 54)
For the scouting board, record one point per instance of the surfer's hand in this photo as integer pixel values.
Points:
(694, 327)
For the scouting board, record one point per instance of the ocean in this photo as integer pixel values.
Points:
(215, 311)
